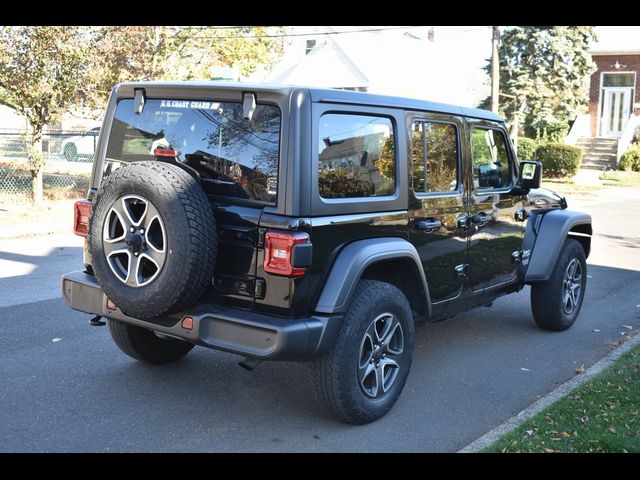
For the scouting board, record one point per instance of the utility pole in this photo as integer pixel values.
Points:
(495, 70)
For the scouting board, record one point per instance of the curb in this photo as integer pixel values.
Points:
(553, 396)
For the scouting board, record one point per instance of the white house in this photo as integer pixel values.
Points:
(413, 62)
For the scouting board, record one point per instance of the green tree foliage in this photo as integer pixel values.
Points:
(546, 69)
(526, 148)
(180, 53)
(42, 71)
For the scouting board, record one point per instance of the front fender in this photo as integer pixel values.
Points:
(549, 234)
(353, 260)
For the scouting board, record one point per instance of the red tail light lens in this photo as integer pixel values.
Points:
(81, 212)
(162, 152)
(279, 250)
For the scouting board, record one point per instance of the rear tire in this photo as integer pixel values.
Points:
(556, 303)
(362, 376)
(145, 345)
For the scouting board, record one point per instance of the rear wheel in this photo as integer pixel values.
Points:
(362, 376)
(145, 345)
(556, 303)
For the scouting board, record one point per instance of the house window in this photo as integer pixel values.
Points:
(618, 79)
(356, 156)
(309, 46)
(434, 154)
(490, 159)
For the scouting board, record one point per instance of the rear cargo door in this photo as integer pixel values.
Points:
(234, 158)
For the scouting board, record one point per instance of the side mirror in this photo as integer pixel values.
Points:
(530, 174)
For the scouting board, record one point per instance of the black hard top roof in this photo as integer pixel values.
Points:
(333, 95)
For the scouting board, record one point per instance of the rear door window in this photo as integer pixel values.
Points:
(235, 157)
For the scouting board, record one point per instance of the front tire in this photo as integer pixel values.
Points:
(556, 303)
(145, 345)
(362, 376)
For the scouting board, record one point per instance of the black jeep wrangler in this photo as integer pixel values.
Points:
(293, 223)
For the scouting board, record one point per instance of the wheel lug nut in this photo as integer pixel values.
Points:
(135, 253)
(142, 231)
(132, 229)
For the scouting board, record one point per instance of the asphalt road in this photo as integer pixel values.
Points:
(65, 387)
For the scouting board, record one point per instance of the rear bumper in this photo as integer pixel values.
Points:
(214, 326)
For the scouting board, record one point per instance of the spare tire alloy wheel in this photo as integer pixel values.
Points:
(153, 239)
(134, 240)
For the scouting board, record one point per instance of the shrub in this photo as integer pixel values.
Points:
(526, 148)
(559, 160)
(630, 160)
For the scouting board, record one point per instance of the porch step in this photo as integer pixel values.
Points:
(598, 153)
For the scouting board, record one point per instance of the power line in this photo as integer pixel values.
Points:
(285, 35)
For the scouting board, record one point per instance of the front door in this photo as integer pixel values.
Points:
(437, 203)
(615, 111)
(495, 228)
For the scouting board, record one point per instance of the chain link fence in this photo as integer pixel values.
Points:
(68, 163)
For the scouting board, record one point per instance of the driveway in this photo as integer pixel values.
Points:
(65, 387)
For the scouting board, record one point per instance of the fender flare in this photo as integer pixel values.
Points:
(351, 263)
(552, 230)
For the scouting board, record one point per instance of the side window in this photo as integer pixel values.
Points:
(434, 154)
(356, 156)
(491, 167)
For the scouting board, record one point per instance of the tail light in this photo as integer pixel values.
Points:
(81, 212)
(280, 253)
(164, 152)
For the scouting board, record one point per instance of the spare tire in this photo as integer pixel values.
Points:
(153, 239)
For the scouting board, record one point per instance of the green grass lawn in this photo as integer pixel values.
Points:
(603, 415)
(618, 178)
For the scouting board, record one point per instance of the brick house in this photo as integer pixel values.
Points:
(608, 129)
(614, 92)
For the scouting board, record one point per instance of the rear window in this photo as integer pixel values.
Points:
(235, 157)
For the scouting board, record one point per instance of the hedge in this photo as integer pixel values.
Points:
(526, 148)
(630, 161)
(559, 160)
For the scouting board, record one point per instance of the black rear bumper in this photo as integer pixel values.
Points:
(214, 326)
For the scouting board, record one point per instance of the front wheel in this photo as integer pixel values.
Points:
(556, 303)
(362, 376)
(145, 345)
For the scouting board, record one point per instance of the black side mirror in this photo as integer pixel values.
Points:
(530, 174)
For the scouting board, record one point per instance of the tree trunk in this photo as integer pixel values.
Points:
(36, 187)
(36, 160)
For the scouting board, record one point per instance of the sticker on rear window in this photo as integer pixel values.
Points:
(189, 104)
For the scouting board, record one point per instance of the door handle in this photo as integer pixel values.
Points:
(428, 225)
(481, 218)
(463, 222)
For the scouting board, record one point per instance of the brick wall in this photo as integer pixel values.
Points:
(605, 64)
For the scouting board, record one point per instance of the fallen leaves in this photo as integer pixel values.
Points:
(580, 369)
